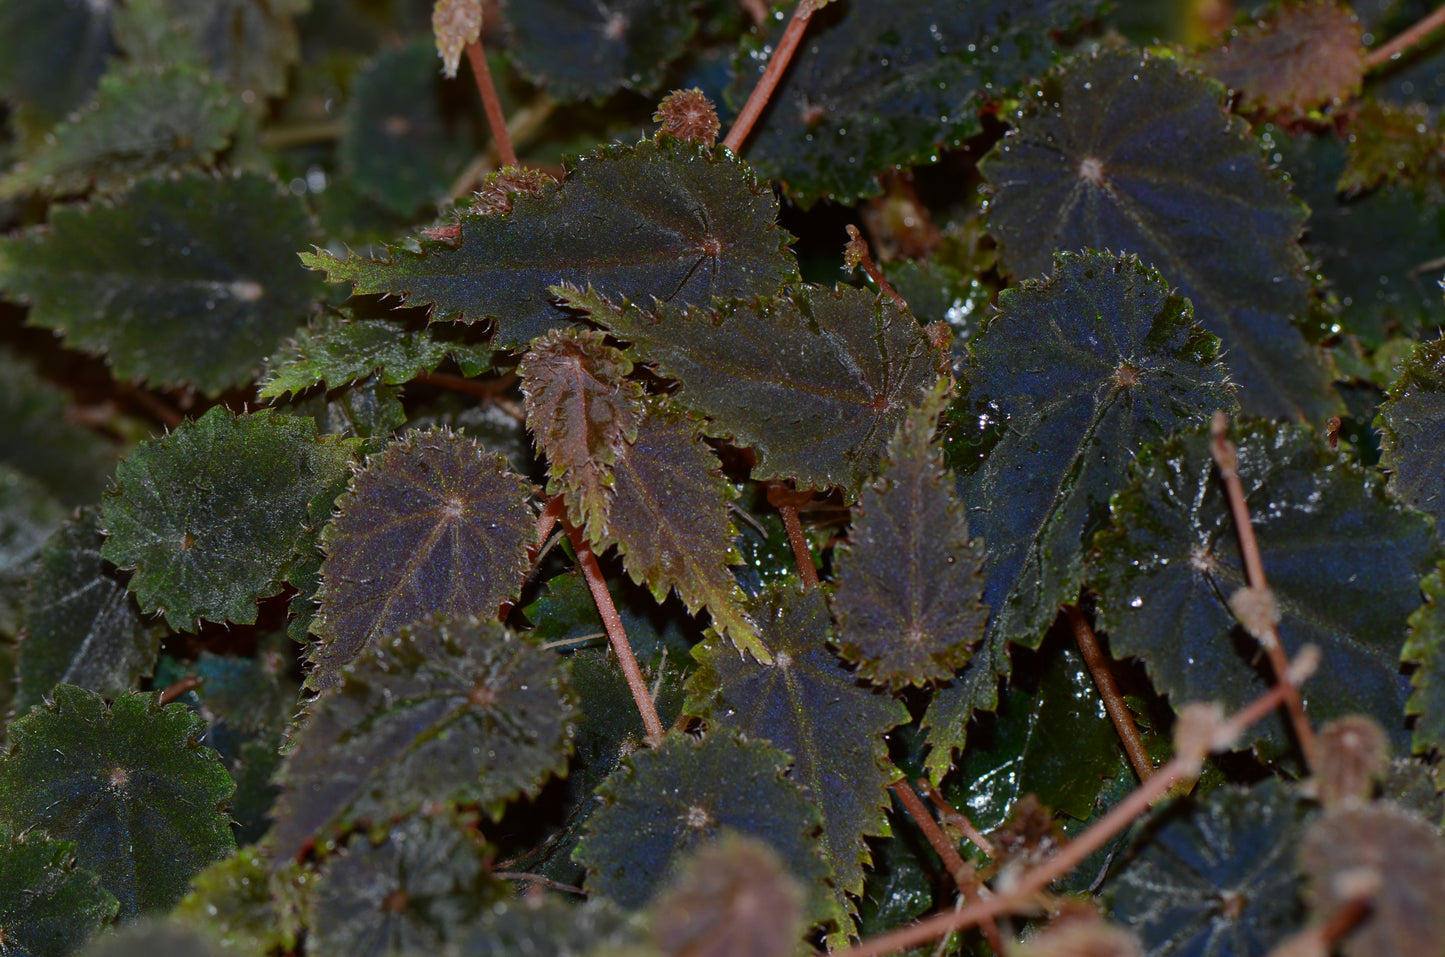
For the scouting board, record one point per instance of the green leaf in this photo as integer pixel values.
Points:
(1170, 562)
(1390, 145)
(669, 220)
(462, 712)
(1305, 55)
(52, 53)
(245, 904)
(433, 526)
(683, 794)
(1214, 876)
(211, 516)
(815, 382)
(28, 516)
(1425, 649)
(583, 412)
(48, 906)
(143, 121)
(910, 581)
(581, 49)
(875, 86)
(1412, 447)
(807, 703)
(126, 784)
(417, 892)
(37, 438)
(81, 627)
(548, 925)
(179, 281)
(1127, 152)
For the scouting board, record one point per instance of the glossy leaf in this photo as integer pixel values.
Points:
(1425, 648)
(1119, 151)
(1170, 562)
(1213, 876)
(245, 904)
(140, 800)
(815, 382)
(1304, 56)
(549, 925)
(877, 86)
(38, 438)
(1412, 447)
(807, 703)
(910, 581)
(48, 906)
(81, 626)
(669, 220)
(211, 516)
(432, 526)
(447, 712)
(52, 53)
(732, 899)
(178, 281)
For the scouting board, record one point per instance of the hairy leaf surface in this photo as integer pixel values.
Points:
(179, 281)
(1122, 152)
(434, 525)
(452, 712)
(126, 784)
(1170, 562)
(211, 516)
(1304, 56)
(668, 221)
(815, 381)
(1412, 447)
(810, 705)
(48, 906)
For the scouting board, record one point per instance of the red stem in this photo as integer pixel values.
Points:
(179, 688)
(477, 57)
(807, 571)
(1401, 42)
(772, 74)
(865, 260)
(1119, 712)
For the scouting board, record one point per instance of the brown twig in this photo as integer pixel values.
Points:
(859, 254)
(1226, 459)
(1119, 712)
(1401, 42)
(953, 817)
(477, 57)
(772, 73)
(179, 688)
(592, 572)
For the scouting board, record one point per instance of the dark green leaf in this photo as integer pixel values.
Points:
(670, 221)
(1412, 447)
(138, 797)
(447, 712)
(28, 516)
(807, 703)
(731, 899)
(1214, 877)
(52, 53)
(910, 582)
(179, 281)
(1119, 151)
(81, 627)
(211, 516)
(48, 907)
(37, 438)
(432, 526)
(567, 617)
(1305, 55)
(875, 86)
(245, 904)
(1170, 563)
(549, 925)
(142, 122)
(815, 381)
(1425, 649)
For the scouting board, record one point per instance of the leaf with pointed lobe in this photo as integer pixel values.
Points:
(127, 784)
(449, 711)
(814, 381)
(668, 220)
(38, 439)
(582, 411)
(182, 281)
(433, 525)
(1129, 152)
(1412, 447)
(1425, 649)
(1169, 562)
(814, 708)
(245, 905)
(211, 516)
(81, 626)
(48, 906)
(52, 53)
(1306, 55)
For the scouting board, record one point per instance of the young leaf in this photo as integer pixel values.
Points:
(1390, 145)
(211, 516)
(670, 220)
(910, 581)
(815, 381)
(665, 801)
(179, 281)
(1412, 447)
(732, 899)
(1306, 55)
(37, 438)
(417, 892)
(1170, 562)
(1425, 649)
(81, 627)
(807, 703)
(876, 86)
(1214, 876)
(52, 53)
(583, 49)
(126, 784)
(1119, 151)
(460, 711)
(432, 526)
(48, 906)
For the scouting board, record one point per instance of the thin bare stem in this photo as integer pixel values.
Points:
(772, 74)
(1226, 459)
(537, 879)
(858, 251)
(592, 572)
(477, 57)
(302, 134)
(953, 817)
(179, 688)
(1119, 712)
(801, 555)
(1401, 42)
